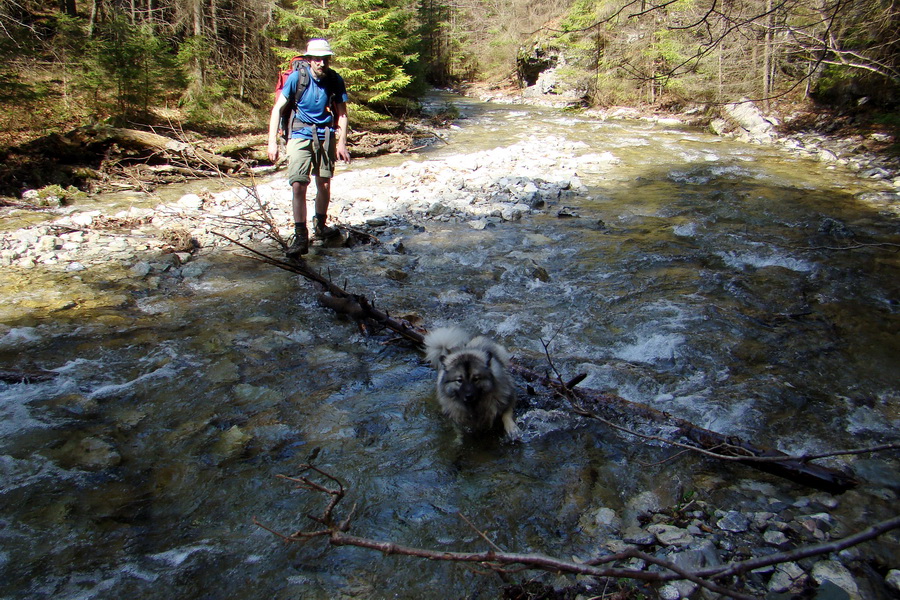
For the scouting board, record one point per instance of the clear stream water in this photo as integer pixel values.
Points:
(700, 276)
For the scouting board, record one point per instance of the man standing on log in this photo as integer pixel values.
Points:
(317, 135)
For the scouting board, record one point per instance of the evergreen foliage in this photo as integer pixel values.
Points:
(374, 44)
(134, 62)
(217, 60)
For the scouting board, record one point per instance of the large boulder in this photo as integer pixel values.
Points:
(546, 75)
(531, 62)
(744, 120)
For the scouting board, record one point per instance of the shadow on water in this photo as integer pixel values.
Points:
(714, 291)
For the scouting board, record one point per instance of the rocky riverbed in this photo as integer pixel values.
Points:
(164, 245)
(379, 201)
(376, 200)
(824, 136)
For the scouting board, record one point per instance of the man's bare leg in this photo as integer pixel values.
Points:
(300, 245)
(323, 197)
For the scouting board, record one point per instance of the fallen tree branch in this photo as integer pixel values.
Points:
(171, 149)
(833, 546)
(587, 402)
(335, 531)
(355, 306)
(592, 403)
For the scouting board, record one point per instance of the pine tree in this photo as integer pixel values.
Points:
(373, 41)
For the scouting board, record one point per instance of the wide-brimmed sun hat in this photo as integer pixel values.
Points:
(318, 48)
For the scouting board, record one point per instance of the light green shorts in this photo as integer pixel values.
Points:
(304, 160)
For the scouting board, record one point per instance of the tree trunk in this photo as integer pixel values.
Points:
(768, 52)
(68, 7)
(172, 150)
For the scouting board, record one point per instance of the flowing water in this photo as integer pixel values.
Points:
(705, 277)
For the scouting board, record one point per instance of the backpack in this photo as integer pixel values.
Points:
(287, 113)
(296, 63)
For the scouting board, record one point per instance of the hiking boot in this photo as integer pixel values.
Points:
(299, 245)
(322, 231)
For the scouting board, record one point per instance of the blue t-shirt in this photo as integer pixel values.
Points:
(312, 106)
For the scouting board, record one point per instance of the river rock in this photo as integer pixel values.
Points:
(788, 577)
(670, 535)
(603, 521)
(140, 269)
(893, 579)
(670, 591)
(750, 119)
(49, 243)
(699, 556)
(776, 538)
(231, 443)
(836, 573)
(693, 559)
(195, 269)
(638, 536)
(91, 454)
(734, 521)
(191, 202)
(643, 504)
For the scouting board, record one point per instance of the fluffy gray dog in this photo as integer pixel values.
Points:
(474, 388)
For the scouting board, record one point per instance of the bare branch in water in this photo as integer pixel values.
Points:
(502, 562)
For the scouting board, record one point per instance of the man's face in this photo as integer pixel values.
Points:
(317, 65)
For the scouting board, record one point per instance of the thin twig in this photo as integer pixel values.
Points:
(480, 533)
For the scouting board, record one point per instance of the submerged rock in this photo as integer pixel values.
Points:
(90, 454)
(834, 572)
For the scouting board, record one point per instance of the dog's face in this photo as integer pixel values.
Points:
(467, 377)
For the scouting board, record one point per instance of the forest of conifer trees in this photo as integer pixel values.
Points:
(214, 61)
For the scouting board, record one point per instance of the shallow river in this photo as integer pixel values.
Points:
(710, 279)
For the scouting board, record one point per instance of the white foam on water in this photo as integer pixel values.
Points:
(176, 556)
(17, 337)
(538, 422)
(510, 325)
(685, 230)
(455, 297)
(156, 305)
(741, 260)
(651, 348)
(15, 415)
(16, 473)
(137, 572)
(167, 371)
(866, 420)
(703, 175)
(733, 171)
(78, 365)
(659, 337)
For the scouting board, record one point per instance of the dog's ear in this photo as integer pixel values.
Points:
(443, 360)
(490, 357)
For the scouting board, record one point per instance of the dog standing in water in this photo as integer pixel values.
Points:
(474, 388)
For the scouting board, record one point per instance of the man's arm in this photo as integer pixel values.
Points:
(274, 120)
(343, 122)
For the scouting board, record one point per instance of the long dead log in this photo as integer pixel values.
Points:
(587, 401)
(172, 149)
(355, 306)
(594, 403)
